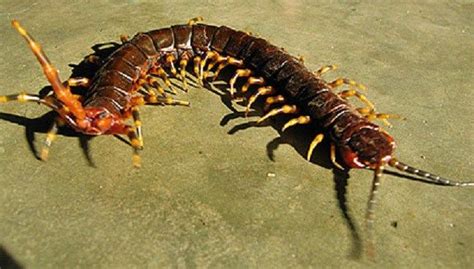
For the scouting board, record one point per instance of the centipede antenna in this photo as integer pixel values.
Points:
(426, 175)
(370, 214)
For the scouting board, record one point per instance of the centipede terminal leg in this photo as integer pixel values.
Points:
(62, 93)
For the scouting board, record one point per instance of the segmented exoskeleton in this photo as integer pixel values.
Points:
(135, 73)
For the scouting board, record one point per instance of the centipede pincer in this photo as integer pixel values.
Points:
(139, 70)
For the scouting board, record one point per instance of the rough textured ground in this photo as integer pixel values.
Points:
(206, 198)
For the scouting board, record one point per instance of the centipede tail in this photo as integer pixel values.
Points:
(144, 70)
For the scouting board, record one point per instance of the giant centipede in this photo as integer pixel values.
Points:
(137, 72)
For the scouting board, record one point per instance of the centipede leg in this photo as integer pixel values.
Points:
(233, 80)
(346, 81)
(217, 59)
(132, 136)
(317, 139)
(160, 72)
(353, 93)
(197, 62)
(50, 137)
(332, 156)
(278, 99)
(286, 109)
(295, 121)
(324, 69)
(252, 81)
(195, 20)
(138, 124)
(158, 100)
(262, 91)
(371, 115)
(208, 56)
(182, 72)
(62, 93)
(78, 82)
(230, 61)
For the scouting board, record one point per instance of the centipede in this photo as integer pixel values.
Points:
(139, 72)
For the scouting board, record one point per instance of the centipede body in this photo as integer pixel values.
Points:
(136, 72)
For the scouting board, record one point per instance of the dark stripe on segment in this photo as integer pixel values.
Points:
(133, 55)
(113, 98)
(275, 64)
(258, 53)
(123, 66)
(182, 36)
(144, 42)
(163, 39)
(202, 37)
(295, 82)
(221, 37)
(113, 78)
(237, 42)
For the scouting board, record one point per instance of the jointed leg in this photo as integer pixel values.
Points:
(62, 93)
(50, 136)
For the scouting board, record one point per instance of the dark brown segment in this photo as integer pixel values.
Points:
(296, 82)
(124, 67)
(290, 68)
(145, 44)
(238, 41)
(117, 96)
(182, 36)
(258, 53)
(202, 37)
(273, 66)
(113, 78)
(131, 54)
(307, 92)
(163, 39)
(221, 37)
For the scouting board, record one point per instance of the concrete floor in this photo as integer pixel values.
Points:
(207, 198)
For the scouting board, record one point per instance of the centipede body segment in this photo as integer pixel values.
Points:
(139, 72)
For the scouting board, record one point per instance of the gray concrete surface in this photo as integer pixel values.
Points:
(205, 198)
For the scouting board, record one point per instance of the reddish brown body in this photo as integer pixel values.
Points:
(129, 78)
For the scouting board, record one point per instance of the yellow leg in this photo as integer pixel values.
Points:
(182, 65)
(195, 20)
(346, 81)
(252, 81)
(233, 80)
(295, 121)
(332, 155)
(273, 100)
(260, 92)
(162, 74)
(138, 125)
(317, 139)
(170, 60)
(372, 115)
(210, 55)
(229, 61)
(286, 109)
(50, 136)
(197, 62)
(350, 93)
(324, 69)
(132, 136)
